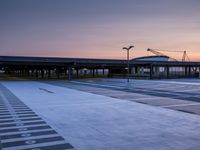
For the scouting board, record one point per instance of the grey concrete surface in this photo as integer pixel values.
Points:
(95, 122)
(161, 93)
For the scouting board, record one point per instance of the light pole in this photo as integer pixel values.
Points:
(128, 62)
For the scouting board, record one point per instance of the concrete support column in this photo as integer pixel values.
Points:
(151, 72)
(186, 73)
(157, 71)
(138, 71)
(130, 71)
(199, 72)
(65, 71)
(36, 74)
(142, 71)
(96, 71)
(69, 73)
(168, 72)
(109, 73)
(77, 72)
(93, 72)
(133, 70)
(42, 73)
(49, 73)
(32, 72)
(19, 73)
(28, 72)
(58, 73)
(190, 72)
(23, 73)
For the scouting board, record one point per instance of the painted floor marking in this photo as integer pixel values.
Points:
(22, 129)
(109, 86)
(180, 105)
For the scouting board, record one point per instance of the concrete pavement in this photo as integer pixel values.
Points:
(90, 121)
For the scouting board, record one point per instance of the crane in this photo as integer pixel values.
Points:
(185, 56)
(158, 53)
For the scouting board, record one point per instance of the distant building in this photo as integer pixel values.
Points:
(148, 67)
(152, 58)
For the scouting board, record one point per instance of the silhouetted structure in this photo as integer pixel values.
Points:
(152, 67)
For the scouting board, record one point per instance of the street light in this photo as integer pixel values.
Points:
(128, 62)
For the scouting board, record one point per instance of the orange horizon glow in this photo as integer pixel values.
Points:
(119, 54)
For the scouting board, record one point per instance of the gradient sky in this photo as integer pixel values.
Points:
(98, 28)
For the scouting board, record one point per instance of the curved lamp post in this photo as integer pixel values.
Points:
(128, 61)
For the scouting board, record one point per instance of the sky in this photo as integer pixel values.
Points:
(99, 28)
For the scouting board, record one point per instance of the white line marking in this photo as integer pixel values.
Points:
(36, 145)
(29, 138)
(179, 105)
(111, 86)
(27, 131)
(178, 82)
(26, 121)
(24, 126)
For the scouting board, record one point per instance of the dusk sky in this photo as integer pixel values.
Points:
(98, 28)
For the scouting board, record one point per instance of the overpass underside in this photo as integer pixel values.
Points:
(69, 68)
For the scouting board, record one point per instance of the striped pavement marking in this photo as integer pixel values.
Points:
(22, 129)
